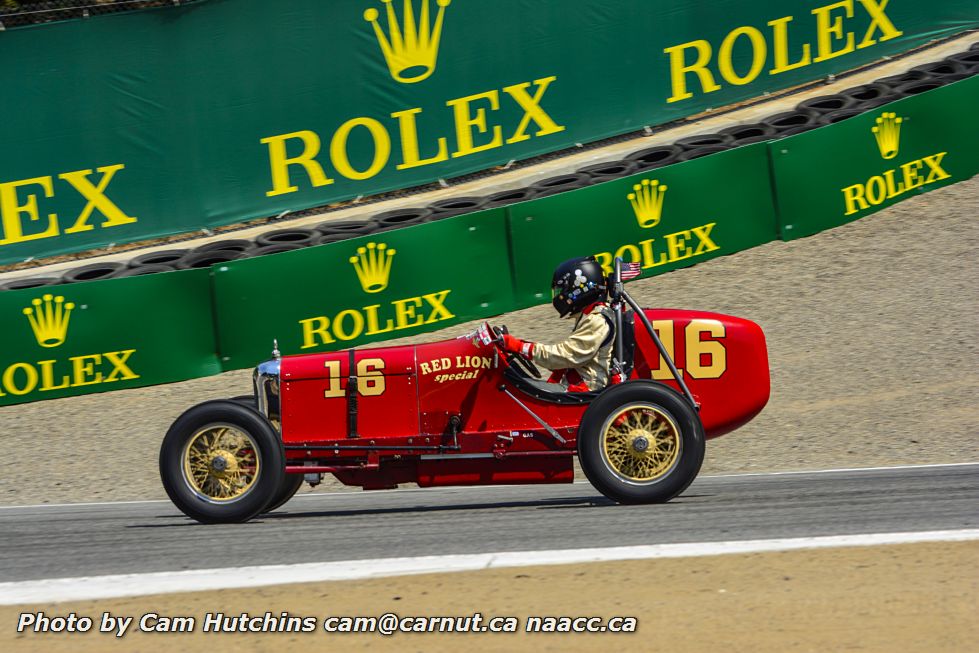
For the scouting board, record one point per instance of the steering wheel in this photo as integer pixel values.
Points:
(514, 357)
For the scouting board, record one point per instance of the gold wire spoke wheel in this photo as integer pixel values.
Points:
(221, 463)
(640, 443)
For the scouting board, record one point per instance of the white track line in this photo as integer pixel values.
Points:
(103, 587)
(482, 488)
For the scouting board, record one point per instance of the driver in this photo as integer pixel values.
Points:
(581, 362)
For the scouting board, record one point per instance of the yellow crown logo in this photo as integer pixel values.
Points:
(373, 266)
(49, 320)
(647, 202)
(411, 53)
(887, 131)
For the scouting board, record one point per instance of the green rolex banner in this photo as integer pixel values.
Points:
(129, 126)
(842, 172)
(664, 219)
(98, 336)
(386, 285)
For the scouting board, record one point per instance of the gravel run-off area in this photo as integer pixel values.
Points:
(871, 331)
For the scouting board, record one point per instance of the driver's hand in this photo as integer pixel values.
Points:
(517, 346)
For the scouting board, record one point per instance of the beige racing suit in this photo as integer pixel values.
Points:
(586, 353)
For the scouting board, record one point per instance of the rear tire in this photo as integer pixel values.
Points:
(290, 485)
(221, 462)
(640, 442)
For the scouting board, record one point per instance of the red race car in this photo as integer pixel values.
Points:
(464, 412)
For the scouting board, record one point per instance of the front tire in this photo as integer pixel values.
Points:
(221, 462)
(640, 442)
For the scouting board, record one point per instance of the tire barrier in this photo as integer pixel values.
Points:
(233, 245)
(139, 270)
(787, 120)
(809, 114)
(30, 282)
(696, 153)
(836, 116)
(914, 88)
(704, 140)
(205, 259)
(610, 169)
(654, 157)
(826, 103)
(296, 236)
(278, 248)
(164, 257)
(507, 197)
(400, 218)
(560, 183)
(92, 272)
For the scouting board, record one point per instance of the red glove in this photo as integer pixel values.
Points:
(517, 346)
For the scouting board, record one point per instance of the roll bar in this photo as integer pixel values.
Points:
(617, 298)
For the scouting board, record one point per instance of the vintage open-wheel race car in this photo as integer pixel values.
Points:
(465, 412)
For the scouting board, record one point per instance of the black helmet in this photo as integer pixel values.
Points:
(577, 283)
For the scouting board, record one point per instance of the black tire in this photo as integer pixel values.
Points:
(286, 490)
(196, 260)
(867, 92)
(188, 496)
(400, 218)
(707, 150)
(164, 257)
(826, 103)
(668, 408)
(277, 249)
(231, 245)
(468, 204)
(834, 117)
(914, 88)
(786, 120)
(654, 157)
(140, 270)
(348, 228)
(560, 183)
(507, 197)
(750, 130)
(92, 272)
(301, 237)
(704, 140)
(611, 169)
(894, 81)
(30, 282)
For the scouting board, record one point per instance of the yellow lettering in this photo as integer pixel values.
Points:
(120, 371)
(532, 110)
(892, 190)
(47, 377)
(679, 70)
(911, 177)
(84, 367)
(316, 329)
(372, 326)
(605, 260)
(697, 348)
(465, 122)
(649, 257)
(409, 142)
(30, 377)
(879, 21)
(96, 198)
(829, 28)
(705, 243)
(425, 368)
(338, 148)
(11, 211)
(853, 198)
(935, 170)
(404, 312)
(356, 328)
(439, 311)
(280, 162)
(759, 52)
(876, 190)
(632, 251)
(781, 48)
(676, 245)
